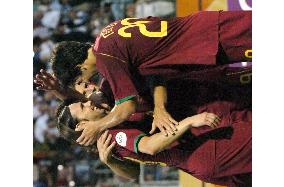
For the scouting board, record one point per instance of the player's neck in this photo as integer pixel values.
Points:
(91, 56)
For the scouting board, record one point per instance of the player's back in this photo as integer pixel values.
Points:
(152, 41)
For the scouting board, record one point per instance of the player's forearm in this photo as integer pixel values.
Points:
(160, 96)
(59, 95)
(66, 93)
(158, 142)
(126, 169)
(118, 115)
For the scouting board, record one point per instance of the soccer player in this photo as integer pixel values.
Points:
(178, 89)
(219, 156)
(130, 49)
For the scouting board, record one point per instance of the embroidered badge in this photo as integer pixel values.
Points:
(121, 138)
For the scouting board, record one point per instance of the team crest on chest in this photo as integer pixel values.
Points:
(121, 138)
(108, 30)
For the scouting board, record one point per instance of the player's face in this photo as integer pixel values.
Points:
(88, 69)
(85, 111)
(85, 88)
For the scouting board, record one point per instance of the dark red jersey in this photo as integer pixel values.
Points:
(131, 48)
(215, 156)
(218, 155)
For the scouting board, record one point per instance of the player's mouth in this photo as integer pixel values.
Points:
(94, 108)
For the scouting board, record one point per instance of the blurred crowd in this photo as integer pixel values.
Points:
(57, 162)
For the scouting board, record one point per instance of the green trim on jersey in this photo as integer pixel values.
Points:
(136, 141)
(117, 102)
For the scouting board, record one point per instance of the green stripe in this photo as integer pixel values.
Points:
(124, 99)
(136, 141)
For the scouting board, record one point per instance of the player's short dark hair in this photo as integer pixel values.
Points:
(66, 56)
(66, 125)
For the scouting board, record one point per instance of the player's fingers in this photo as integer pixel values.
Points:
(214, 124)
(46, 80)
(173, 121)
(173, 127)
(81, 126)
(167, 122)
(88, 142)
(85, 140)
(44, 73)
(81, 138)
(153, 128)
(217, 121)
(104, 136)
(38, 76)
(93, 141)
(38, 81)
(41, 88)
(162, 130)
(213, 118)
(41, 77)
(208, 122)
(100, 142)
(217, 118)
(169, 129)
(109, 149)
(108, 140)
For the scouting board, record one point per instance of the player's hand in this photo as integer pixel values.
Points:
(91, 132)
(105, 147)
(164, 121)
(205, 118)
(47, 82)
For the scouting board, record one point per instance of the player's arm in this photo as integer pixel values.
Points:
(124, 90)
(66, 93)
(162, 119)
(123, 168)
(50, 83)
(158, 142)
(119, 114)
(92, 129)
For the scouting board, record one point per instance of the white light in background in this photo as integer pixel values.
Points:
(71, 183)
(60, 167)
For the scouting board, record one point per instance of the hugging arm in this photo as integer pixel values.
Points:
(92, 129)
(124, 168)
(162, 119)
(158, 142)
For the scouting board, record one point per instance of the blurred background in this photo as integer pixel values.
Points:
(55, 161)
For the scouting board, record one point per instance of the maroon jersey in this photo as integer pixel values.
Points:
(217, 156)
(130, 48)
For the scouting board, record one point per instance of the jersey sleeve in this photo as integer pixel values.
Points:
(127, 138)
(117, 73)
